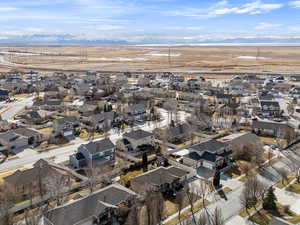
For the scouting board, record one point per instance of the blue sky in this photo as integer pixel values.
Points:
(148, 20)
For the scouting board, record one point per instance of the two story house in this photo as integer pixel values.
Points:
(97, 152)
(19, 139)
(67, 126)
(208, 156)
(138, 140)
(270, 108)
(103, 120)
(136, 112)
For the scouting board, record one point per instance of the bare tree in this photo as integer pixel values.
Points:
(133, 216)
(283, 174)
(154, 203)
(94, 175)
(190, 192)
(203, 189)
(203, 219)
(57, 187)
(8, 198)
(34, 216)
(217, 218)
(252, 192)
(180, 204)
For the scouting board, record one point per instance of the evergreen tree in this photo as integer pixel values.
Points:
(217, 178)
(269, 202)
(145, 162)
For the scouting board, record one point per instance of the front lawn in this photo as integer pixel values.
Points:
(187, 213)
(263, 217)
(283, 184)
(294, 188)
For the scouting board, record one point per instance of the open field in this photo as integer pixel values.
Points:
(153, 58)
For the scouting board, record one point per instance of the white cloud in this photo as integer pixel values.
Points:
(109, 27)
(222, 3)
(222, 8)
(265, 26)
(7, 9)
(295, 4)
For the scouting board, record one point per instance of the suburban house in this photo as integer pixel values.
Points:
(97, 152)
(19, 139)
(138, 140)
(4, 95)
(270, 108)
(103, 120)
(88, 109)
(222, 98)
(295, 92)
(136, 112)
(37, 116)
(99, 208)
(162, 179)
(242, 139)
(272, 129)
(67, 126)
(51, 105)
(178, 133)
(208, 156)
(35, 180)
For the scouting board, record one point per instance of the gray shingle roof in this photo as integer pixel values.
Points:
(210, 146)
(269, 125)
(177, 130)
(89, 206)
(270, 103)
(67, 119)
(103, 116)
(160, 176)
(99, 146)
(137, 134)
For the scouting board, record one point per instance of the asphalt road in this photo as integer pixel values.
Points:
(15, 107)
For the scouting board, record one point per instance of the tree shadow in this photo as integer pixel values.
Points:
(222, 194)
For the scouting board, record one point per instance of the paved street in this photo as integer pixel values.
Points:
(12, 108)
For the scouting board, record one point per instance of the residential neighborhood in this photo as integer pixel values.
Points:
(156, 148)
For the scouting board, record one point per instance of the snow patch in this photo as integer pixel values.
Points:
(250, 57)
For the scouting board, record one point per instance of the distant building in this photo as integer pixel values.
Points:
(4, 95)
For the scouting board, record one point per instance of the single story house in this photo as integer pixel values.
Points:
(101, 207)
(272, 129)
(161, 179)
(34, 181)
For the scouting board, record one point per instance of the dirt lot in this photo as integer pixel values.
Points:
(146, 58)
